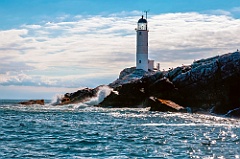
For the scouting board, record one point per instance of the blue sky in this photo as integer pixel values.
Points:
(16, 12)
(51, 47)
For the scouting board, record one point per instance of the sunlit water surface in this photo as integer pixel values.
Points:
(83, 131)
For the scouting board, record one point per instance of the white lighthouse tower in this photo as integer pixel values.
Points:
(142, 45)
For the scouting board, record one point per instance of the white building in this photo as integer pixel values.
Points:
(151, 65)
(142, 61)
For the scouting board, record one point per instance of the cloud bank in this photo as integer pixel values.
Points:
(91, 50)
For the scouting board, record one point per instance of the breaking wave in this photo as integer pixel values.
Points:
(102, 93)
(57, 99)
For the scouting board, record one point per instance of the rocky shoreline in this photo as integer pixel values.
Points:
(207, 85)
(211, 85)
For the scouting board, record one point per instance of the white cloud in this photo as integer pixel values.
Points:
(11, 38)
(92, 50)
(192, 35)
(69, 81)
(32, 26)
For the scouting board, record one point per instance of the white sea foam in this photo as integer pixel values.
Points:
(190, 124)
(57, 99)
(102, 93)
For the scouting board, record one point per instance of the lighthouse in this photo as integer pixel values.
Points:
(142, 45)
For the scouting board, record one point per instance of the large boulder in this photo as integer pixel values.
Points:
(163, 105)
(162, 88)
(81, 95)
(127, 95)
(89, 96)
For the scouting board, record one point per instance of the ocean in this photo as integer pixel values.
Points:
(84, 131)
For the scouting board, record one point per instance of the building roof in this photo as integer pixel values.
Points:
(142, 20)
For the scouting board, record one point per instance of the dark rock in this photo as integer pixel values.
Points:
(31, 102)
(235, 113)
(85, 95)
(171, 74)
(81, 95)
(152, 77)
(131, 88)
(128, 95)
(162, 88)
(211, 82)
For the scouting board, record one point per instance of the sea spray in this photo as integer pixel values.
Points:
(102, 93)
(57, 99)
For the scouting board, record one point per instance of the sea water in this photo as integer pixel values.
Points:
(85, 131)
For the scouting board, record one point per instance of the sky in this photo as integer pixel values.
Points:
(50, 47)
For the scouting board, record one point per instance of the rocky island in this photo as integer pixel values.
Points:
(210, 85)
(31, 102)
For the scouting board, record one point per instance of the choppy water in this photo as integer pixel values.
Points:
(82, 131)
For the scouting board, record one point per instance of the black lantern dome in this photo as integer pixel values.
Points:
(142, 20)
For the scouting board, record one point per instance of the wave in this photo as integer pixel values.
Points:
(57, 99)
(102, 93)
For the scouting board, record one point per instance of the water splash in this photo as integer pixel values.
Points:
(57, 99)
(102, 93)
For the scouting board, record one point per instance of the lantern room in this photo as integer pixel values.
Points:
(142, 24)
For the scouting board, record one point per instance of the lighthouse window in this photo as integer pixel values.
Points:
(139, 61)
(140, 33)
